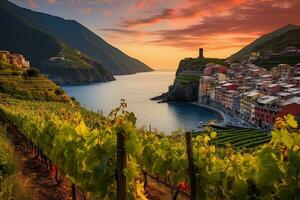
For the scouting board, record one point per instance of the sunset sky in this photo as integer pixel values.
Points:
(161, 32)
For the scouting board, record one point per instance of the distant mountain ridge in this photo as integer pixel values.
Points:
(79, 37)
(21, 35)
(263, 41)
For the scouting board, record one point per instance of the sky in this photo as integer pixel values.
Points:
(162, 32)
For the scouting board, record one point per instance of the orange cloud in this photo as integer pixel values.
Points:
(146, 3)
(192, 8)
(166, 14)
(122, 31)
(239, 23)
(105, 12)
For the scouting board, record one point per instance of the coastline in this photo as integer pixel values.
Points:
(227, 120)
(222, 119)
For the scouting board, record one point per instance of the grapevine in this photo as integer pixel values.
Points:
(83, 145)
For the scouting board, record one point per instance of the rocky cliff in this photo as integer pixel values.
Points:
(185, 86)
(74, 76)
(186, 83)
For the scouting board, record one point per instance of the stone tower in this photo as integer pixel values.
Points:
(201, 53)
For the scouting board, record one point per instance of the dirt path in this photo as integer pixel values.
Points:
(36, 177)
(158, 191)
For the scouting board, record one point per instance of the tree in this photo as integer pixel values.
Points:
(33, 72)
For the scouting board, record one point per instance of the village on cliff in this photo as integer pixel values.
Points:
(256, 95)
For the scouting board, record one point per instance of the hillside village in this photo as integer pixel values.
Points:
(256, 55)
(8, 59)
(21, 81)
(253, 93)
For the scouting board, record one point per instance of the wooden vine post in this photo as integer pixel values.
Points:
(74, 193)
(191, 166)
(121, 165)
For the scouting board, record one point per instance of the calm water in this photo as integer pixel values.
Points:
(137, 90)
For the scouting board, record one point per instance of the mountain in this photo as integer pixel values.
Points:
(277, 45)
(19, 34)
(79, 37)
(270, 41)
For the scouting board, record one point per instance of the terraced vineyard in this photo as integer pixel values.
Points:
(241, 138)
(38, 88)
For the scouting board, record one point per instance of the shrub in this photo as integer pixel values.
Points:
(33, 72)
(59, 91)
(15, 73)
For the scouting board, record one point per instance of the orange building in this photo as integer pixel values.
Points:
(14, 59)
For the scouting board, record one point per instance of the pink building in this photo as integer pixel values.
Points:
(227, 98)
(218, 94)
(296, 81)
(212, 68)
(207, 71)
(272, 89)
(230, 86)
(296, 70)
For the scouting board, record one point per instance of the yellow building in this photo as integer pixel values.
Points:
(247, 105)
(221, 77)
(205, 86)
(4, 55)
(283, 71)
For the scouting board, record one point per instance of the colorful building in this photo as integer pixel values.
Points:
(218, 94)
(221, 76)
(205, 85)
(291, 106)
(17, 60)
(4, 55)
(284, 95)
(230, 86)
(284, 71)
(266, 110)
(247, 105)
(236, 103)
(296, 81)
(227, 100)
(272, 89)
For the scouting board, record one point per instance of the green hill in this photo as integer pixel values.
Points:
(21, 35)
(196, 64)
(275, 41)
(290, 38)
(79, 37)
(15, 84)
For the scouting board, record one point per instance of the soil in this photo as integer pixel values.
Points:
(37, 177)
